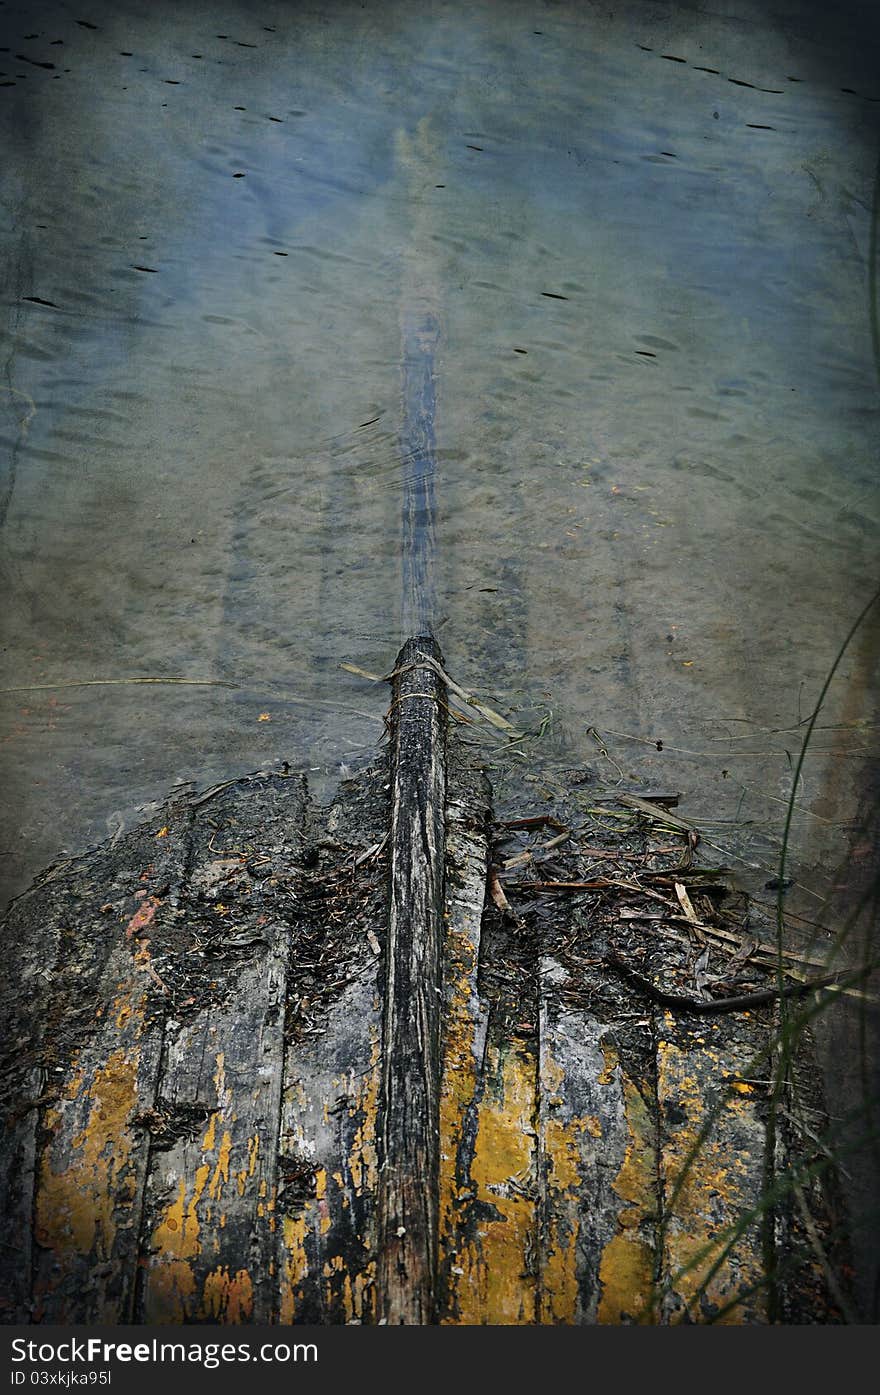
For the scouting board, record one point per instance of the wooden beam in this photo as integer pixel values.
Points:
(326, 1205)
(211, 1194)
(408, 1137)
(208, 1234)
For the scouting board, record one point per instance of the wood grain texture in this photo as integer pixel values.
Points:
(328, 1168)
(211, 1197)
(408, 1151)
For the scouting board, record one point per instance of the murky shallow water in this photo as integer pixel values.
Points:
(655, 416)
(607, 273)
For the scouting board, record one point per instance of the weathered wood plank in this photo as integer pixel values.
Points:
(494, 1279)
(328, 1169)
(248, 1114)
(209, 1216)
(598, 1150)
(408, 1197)
(32, 933)
(487, 1216)
(626, 1262)
(464, 1021)
(92, 1167)
(104, 1030)
(211, 1194)
(709, 1271)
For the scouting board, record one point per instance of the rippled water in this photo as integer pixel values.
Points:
(594, 285)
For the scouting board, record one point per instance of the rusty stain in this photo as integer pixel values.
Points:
(74, 1086)
(143, 916)
(208, 1142)
(363, 1159)
(606, 1077)
(123, 1013)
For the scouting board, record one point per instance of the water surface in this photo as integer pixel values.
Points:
(592, 287)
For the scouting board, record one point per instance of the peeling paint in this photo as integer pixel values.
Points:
(296, 1265)
(228, 1297)
(493, 1276)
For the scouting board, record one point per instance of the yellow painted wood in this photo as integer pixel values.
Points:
(706, 1198)
(329, 1118)
(628, 1262)
(494, 1277)
(598, 1140)
(91, 1171)
(211, 1195)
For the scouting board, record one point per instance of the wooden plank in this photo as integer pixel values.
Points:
(104, 1032)
(248, 1115)
(211, 1195)
(208, 1232)
(655, 1167)
(598, 1168)
(328, 1169)
(709, 1271)
(464, 1024)
(408, 1197)
(626, 1262)
(92, 1166)
(493, 1278)
(487, 1214)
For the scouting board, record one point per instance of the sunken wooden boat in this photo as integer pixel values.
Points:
(267, 1063)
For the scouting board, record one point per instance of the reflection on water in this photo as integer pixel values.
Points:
(591, 287)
